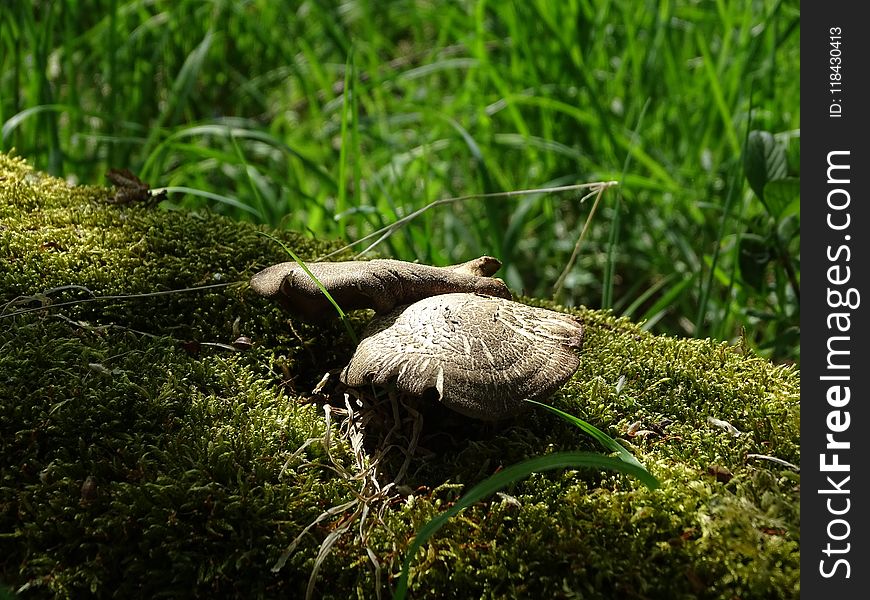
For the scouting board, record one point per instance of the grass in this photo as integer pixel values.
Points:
(141, 455)
(338, 119)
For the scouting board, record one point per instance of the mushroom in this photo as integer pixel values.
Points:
(452, 330)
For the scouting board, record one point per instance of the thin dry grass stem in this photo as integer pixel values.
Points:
(385, 232)
(103, 328)
(350, 424)
(597, 192)
(46, 303)
(417, 427)
(776, 460)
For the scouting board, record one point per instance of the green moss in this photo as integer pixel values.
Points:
(187, 449)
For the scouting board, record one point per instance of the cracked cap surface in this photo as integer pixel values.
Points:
(482, 355)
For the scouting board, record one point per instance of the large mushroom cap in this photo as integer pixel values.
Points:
(482, 355)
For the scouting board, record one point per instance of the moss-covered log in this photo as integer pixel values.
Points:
(140, 455)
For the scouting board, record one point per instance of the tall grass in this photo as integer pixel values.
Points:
(341, 117)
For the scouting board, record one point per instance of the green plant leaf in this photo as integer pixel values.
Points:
(764, 161)
(755, 254)
(789, 226)
(782, 195)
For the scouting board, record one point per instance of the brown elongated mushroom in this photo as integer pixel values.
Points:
(453, 330)
(381, 284)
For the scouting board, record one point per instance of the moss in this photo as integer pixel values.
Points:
(138, 459)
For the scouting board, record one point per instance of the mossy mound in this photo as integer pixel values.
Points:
(141, 456)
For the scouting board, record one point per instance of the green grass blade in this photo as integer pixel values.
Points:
(261, 206)
(341, 313)
(717, 93)
(181, 89)
(607, 284)
(348, 92)
(16, 120)
(180, 189)
(646, 295)
(512, 474)
(601, 437)
(668, 298)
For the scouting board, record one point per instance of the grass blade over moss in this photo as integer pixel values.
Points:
(511, 475)
(602, 438)
(624, 463)
(341, 313)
